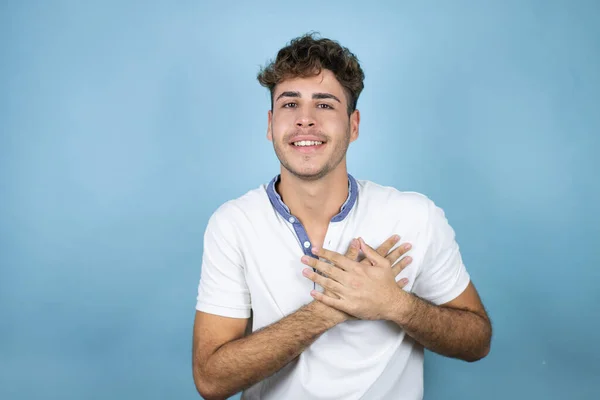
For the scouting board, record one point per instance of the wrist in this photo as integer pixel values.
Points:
(330, 316)
(401, 307)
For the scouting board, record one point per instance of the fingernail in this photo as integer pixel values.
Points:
(407, 246)
(404, 281)
(395, 238)
(306, 272)
(315, 250)
(304, 259)
(354, 243)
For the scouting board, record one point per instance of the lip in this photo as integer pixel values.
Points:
(308, 149)
(308, 138)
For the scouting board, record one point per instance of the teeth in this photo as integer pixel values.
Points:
(307, 143)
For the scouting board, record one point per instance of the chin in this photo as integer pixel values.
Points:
(308, 174)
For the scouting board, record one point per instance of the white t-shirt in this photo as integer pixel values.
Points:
(251, 261)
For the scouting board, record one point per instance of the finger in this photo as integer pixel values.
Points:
(400, 265)
(387, 245)
(330, 270)
(384, 248)
(330, 294)
(325, 283)
(371, 254)
(353, 249)
(336, 258)
(402, 282)
(328, 301)
(393, 256)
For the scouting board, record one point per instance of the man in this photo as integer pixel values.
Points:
(325, 323)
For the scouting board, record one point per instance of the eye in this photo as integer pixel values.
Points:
(289, 105)
(325, 106)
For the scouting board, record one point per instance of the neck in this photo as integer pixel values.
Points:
(314, 202)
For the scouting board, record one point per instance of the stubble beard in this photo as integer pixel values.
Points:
(339, 152)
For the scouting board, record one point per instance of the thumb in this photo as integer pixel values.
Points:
(353, 249)
(402, 282)
(373, 256)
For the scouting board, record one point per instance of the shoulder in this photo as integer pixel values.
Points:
(413, 208)
(234, 211)
(390, 198)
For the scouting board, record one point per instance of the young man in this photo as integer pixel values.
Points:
(325, 323)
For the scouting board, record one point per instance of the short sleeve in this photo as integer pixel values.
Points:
(443, 275)
(222, 289)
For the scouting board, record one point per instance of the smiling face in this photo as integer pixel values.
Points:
(309, 125)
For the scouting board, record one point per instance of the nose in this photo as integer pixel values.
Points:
(305, 121)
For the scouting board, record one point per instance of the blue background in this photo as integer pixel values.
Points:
(125, 124)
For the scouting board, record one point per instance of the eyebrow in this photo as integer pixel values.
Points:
(314, 96)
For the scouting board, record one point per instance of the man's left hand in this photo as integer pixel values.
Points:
(368, 292)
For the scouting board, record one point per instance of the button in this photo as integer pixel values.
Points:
(292, 220)
(306, 245)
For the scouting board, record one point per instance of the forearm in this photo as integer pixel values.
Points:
(240, 364)
(447, 331)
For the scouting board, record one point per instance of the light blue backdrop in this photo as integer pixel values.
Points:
(125, 124)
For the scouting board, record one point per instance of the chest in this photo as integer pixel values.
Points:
(274, 270)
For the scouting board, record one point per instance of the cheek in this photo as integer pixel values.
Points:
(284, 117)
(281, 125)
(335, 127)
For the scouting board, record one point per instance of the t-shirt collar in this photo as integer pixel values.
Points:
(284, 211)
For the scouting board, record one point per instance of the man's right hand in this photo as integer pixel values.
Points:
(384, 250)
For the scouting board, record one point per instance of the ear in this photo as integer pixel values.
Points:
(354, 124)
(269, 124)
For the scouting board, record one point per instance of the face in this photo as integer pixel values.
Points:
(309, 125)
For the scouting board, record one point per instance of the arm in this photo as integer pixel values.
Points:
(224, 360)
(226, 363)
(459, 329)
(443, 313)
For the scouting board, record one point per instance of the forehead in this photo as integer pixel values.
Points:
(325, 82)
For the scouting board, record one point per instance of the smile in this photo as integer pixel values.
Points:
(307, 143)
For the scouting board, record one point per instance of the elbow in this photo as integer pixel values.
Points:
(209, 396)
(207, 391)
(201, 385)
(486, 351)
(478, 354)
(211, 389)
(205, 388)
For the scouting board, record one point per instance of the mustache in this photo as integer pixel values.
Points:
(317, 134)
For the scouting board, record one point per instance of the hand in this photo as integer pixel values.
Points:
(365, 290)
(353, 254)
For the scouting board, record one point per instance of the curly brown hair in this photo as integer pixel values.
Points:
(305, 56)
